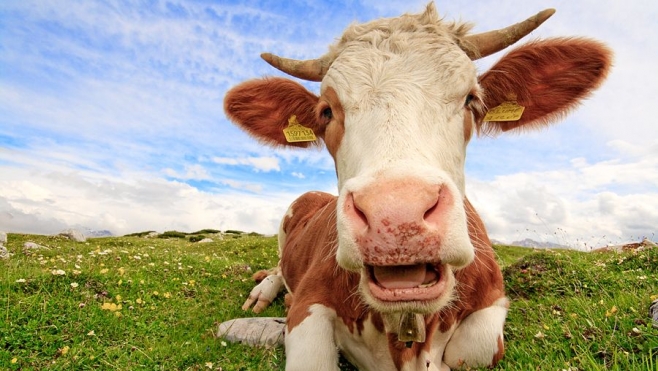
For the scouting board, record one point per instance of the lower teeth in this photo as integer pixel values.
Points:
(426, 285)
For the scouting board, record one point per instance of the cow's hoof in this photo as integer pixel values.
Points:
(259, 331)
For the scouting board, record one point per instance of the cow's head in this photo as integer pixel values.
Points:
(400, 99)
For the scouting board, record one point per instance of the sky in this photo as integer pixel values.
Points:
(111, 118)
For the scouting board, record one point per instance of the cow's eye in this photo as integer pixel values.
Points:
(469, 99)
(327, 114)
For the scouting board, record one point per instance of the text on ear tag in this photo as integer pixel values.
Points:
(506, 111)
(295, 132)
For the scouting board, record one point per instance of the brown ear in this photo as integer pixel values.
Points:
(547, 77)
(262, 108)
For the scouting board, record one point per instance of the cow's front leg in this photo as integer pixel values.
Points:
(478, 340)
(309, 339)
(264, 293)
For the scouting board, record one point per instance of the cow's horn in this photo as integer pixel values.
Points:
(487, 43)
(311, 70)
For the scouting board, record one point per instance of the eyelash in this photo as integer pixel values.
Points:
(469, 99)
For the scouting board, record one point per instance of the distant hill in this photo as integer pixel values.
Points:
(96, 233)
(541, 245)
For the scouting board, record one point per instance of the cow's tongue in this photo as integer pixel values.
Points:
(404, 276)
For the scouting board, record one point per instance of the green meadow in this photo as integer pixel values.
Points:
(135, 303)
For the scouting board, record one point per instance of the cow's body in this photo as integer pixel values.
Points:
(309, 267)
(397, 271)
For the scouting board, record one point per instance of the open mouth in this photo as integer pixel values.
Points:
(418, 282)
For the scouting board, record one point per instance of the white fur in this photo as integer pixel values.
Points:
(310, 345)
(475, 340)
(368, 350)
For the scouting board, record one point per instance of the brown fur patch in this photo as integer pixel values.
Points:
(335, 129)
(468, 125)
(548, 77)
(500, 353)
(260, 275)
(262, 108)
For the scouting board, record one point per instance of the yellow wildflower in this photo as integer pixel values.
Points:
(112, 307)
(612, 311)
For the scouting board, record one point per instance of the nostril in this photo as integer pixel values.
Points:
(359, 213)
(428, 214)
(358, 218)
(432, 214)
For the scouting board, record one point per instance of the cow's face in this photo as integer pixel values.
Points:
(399, 100)
(397, 128)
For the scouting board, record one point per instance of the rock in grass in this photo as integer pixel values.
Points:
(4, 254)
(3, 238)
(73, 234)
(28, 246)
(653, 313)
(206, 240)
(258, 331)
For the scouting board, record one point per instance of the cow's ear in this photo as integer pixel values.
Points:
(263, 107)
(547, 77)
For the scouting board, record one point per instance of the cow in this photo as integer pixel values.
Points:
(397, 271)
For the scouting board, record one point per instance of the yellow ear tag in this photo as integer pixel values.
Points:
(507, 111)
(295, 132)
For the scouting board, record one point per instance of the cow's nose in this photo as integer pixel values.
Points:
(389, 207)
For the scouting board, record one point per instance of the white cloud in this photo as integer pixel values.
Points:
(264, 164)
(193, 172)
(297, 175)
(573, 206)
(47, 203)
(242, 186)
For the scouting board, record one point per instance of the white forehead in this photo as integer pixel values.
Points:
(420, 52)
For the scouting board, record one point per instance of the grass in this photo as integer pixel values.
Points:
(131, 303)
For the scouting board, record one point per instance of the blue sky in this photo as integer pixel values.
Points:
(111, 118)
